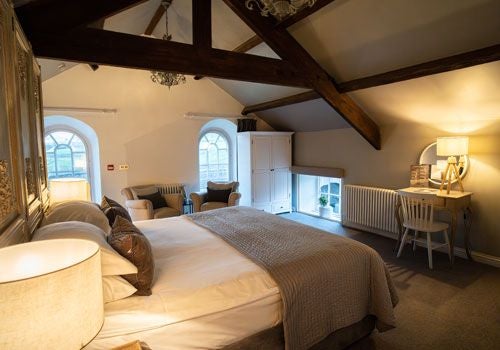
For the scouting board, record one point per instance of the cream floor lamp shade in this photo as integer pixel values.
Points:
(50, 294)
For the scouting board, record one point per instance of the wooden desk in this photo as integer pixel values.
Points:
(454, 202)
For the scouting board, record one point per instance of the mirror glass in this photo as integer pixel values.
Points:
(438, 164)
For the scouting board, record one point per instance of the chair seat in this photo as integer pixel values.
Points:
(436, 226)
(212, 205)
(165, 212)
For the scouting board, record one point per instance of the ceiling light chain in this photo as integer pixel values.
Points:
(278, 8)
(168, 79)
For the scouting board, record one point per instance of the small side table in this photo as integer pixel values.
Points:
(187, 206)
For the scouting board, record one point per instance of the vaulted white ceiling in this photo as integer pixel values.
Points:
(357, 38)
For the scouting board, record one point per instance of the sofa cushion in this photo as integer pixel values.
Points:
(212, 205)
(129, 241)
(233, 186)
(165, 212)
(218, 195)
(156, 199)
(141, 191)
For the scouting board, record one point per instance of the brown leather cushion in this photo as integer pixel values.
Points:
(129, 241)
(112, 209)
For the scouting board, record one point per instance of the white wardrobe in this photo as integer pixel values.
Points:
(264, 161)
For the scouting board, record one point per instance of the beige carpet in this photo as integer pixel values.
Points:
(445, 308)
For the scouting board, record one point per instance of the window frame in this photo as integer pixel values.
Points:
(319, 192)
(225, 135)
(88, 153)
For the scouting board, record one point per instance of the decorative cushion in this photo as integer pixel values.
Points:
(129, 241)
(116, 288)
(165, 212)
(223, 186)
(112, 209)
(212, 205)
(142, 191)
(112, 263)
(218, 195)
(156, 199)
(77, 211)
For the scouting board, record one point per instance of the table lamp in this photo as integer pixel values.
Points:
(50, 294)
(69, 189)
(451, 147)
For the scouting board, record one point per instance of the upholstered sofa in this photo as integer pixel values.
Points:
(201, 201)
(142, 209)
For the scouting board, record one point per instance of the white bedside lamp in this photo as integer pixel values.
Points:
(50, 294)
(451, 147)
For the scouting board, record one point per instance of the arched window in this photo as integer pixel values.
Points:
(214, 157)
(67, 155)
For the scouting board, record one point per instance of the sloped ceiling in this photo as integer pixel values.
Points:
(357, 38)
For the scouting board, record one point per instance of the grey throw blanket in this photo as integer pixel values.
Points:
(326, 281)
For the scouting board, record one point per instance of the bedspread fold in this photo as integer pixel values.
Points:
(326, 281)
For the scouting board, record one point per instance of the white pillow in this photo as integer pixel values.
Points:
(116, 288)
(112, 263)
(144, 191)
(78, 211)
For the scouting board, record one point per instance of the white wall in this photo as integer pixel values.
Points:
(149, 131)
(401, 146)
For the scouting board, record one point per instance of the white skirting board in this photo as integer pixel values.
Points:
(459, 252)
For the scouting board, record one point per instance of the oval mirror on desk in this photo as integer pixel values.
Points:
(438, 164)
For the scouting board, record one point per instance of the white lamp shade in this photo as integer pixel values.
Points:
(452, 146)
(50, 294)
(68, 190)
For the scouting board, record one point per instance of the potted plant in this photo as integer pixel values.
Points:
(324, 209)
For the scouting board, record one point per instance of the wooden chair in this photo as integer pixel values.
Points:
(418, 215)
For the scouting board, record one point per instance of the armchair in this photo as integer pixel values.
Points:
(142, 209)
(200, 199)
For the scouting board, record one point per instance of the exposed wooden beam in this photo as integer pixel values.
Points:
(290, 20)
(202, 24)
(441, 65)
(248, 45)
(281, 42)
(125, 50)
(285, 101)
(154, 20)
(61, 16)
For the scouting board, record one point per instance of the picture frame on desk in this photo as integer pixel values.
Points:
(419, 175)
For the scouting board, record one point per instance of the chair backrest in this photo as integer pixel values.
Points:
(417, 209)
(162, 188)
(223, 185)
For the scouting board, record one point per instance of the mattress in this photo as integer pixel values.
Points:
(205, 295)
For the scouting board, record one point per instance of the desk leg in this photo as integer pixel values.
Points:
(453, 232)
(397, 213)
(467, 226)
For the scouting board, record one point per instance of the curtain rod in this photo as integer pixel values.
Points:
(193, 115)
(80, 109)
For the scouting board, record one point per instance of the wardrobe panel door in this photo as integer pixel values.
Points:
(23, 81)
(281, 152)
(261, 187)
(9, 208)
(261, 152)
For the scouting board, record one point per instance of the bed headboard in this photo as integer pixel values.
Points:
(24, 192)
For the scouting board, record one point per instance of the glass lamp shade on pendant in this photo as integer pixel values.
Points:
(168, 79)
(278, 8)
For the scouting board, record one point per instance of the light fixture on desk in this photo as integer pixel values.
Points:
(51, 294)
(451, 147)
(69, 189)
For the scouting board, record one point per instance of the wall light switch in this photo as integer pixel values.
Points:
(123, 167)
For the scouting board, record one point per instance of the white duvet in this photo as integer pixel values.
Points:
(205, 295)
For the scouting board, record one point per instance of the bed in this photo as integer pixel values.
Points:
(209, 295)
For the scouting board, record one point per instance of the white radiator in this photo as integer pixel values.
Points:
(370, 209)
(171, 188)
